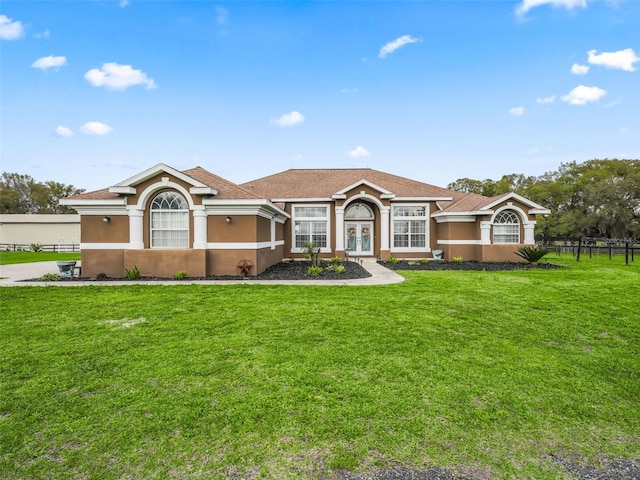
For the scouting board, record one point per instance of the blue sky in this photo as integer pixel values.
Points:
(92, 92)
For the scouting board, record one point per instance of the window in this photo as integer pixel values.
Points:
(310, 224)
(410, 228)
(506, 228)
(169, 221)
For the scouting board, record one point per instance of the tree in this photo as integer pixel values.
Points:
(22, 194)
(594, 198)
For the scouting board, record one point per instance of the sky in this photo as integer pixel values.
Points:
(93, 92)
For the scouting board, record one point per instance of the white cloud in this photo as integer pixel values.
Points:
(288, 119)
(124, 3)
(63, 131)
(582, 95)
(516, 111)
(222, 15)
(96, 128)
(44, 63)
(349, 90)
(45, 34)
(579, 69)
(621, 60)
(358, 152)
(550, 99)
(118, 77)
(527, 5)
(10, 30)
(396, 44)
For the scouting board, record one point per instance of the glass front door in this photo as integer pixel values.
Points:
(359, 238)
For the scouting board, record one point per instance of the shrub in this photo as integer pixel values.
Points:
(314, 271)
(413, 263)
(393, 259)
(335, 260)
(181, 275)
(532, 254)
(337, 268)
(50, 277)
(36, 247)
(132, 273)
(102, 276)
(424, 261)
(311, 252)
(458, 259)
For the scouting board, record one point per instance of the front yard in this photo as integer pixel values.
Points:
(510, 374)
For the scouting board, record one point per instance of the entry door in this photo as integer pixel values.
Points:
(359, 238)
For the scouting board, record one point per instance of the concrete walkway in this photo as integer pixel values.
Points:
(14, 275)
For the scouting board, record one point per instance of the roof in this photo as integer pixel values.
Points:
(226, 190)
(323, 183)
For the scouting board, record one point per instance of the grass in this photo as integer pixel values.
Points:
(486, 373)
(9, 258)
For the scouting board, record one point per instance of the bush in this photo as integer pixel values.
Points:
(458, 259)
(413, 263)
(335, 260)
(36, 247)
(532, 254)
(132, 273)
(393, 259)
(181, 275)
(337, 268)
(314, 271)
(50, 277)
(424, 261)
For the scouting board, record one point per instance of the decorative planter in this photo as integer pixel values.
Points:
(437, 254)
(66, 269)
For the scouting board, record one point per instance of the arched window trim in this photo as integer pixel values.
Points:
(506, 227)
(169, 218)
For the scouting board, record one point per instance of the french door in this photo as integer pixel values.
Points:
(359, 238)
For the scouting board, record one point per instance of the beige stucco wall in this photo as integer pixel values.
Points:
(45, 229)
(95, 230)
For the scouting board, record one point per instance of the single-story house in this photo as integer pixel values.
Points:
(164, 221)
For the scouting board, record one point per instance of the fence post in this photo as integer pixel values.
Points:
(626, 254)
(579, 247)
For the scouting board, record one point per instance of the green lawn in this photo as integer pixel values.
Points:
(8, 258)
(488, 373)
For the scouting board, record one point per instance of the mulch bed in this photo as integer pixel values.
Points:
(479, 266)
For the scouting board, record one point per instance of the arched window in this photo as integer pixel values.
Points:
(506, 228)
(169, 221)
(358, 211)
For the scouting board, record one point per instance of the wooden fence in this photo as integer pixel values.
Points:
(53, 247)
(578, 246)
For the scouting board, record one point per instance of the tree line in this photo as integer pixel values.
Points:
(596, 198)
(23, 194)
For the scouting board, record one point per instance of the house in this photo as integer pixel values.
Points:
(164, 221)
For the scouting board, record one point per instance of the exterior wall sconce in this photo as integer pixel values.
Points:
(228, 219)
(106, 219)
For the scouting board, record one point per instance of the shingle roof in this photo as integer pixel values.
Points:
(323, 183)
(226, 190)
(320, 183)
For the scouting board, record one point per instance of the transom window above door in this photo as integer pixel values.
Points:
(358, 211)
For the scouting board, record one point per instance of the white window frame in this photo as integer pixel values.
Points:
(184, 212)
(509, 234)
(427, 234)
(295, 218)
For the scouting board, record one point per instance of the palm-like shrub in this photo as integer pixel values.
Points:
(532, 254)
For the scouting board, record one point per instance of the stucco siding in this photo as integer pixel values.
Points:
(95, 230)
(109, 262)
(166, 262)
